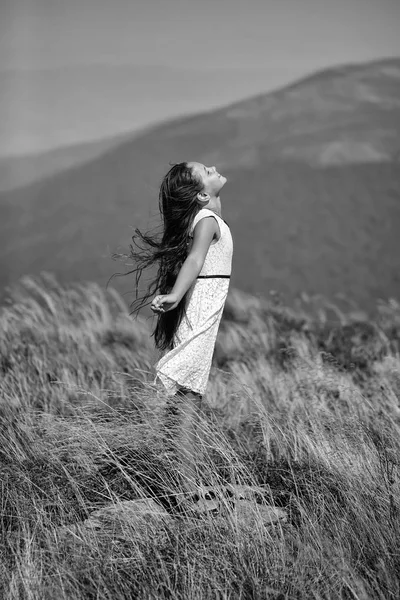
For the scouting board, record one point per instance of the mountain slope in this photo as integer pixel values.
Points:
(342, 115)
(332, 229)
(20, 171)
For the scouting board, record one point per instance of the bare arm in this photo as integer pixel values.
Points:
(204, 232)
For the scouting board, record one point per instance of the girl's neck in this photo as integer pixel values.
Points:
(214, 204)
(215, 210)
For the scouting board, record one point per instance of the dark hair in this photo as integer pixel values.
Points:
(178, 207)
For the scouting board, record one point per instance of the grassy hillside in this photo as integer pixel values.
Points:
(310, 212)
(307, 409)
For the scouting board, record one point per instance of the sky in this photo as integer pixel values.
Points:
(78, 70)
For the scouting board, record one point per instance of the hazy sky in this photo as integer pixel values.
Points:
(217, 51)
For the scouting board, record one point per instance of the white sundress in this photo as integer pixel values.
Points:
(188, 364)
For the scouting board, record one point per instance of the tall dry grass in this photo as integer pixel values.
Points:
(304, 406)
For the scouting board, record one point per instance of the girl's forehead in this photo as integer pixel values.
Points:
(196, 166)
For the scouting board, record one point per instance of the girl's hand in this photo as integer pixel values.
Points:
(164, 303)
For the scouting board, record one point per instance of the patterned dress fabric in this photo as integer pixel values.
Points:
(188, 364)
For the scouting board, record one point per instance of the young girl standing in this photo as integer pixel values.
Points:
(194, 259)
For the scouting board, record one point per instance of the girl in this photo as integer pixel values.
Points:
(194, 259)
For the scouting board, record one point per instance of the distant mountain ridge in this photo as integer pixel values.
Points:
(341, 115)
(20, 171)
(45, 109)
(313, 193)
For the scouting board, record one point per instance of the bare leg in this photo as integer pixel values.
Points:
(190, 439)
(182, 435)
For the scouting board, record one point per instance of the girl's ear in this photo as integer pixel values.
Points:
(203, 197)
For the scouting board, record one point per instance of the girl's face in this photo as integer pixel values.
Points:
(212, 181)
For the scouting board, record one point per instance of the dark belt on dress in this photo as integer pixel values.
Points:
(213, 276)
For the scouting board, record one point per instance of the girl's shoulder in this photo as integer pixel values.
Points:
(205, 212)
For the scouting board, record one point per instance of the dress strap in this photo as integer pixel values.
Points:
(204, 212)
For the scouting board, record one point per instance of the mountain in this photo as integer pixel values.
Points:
(20, 171)
(313, 192)
(72, 109)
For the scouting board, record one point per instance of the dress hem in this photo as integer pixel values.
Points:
(176, 385)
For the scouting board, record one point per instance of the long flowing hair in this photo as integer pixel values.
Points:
(178, 206)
